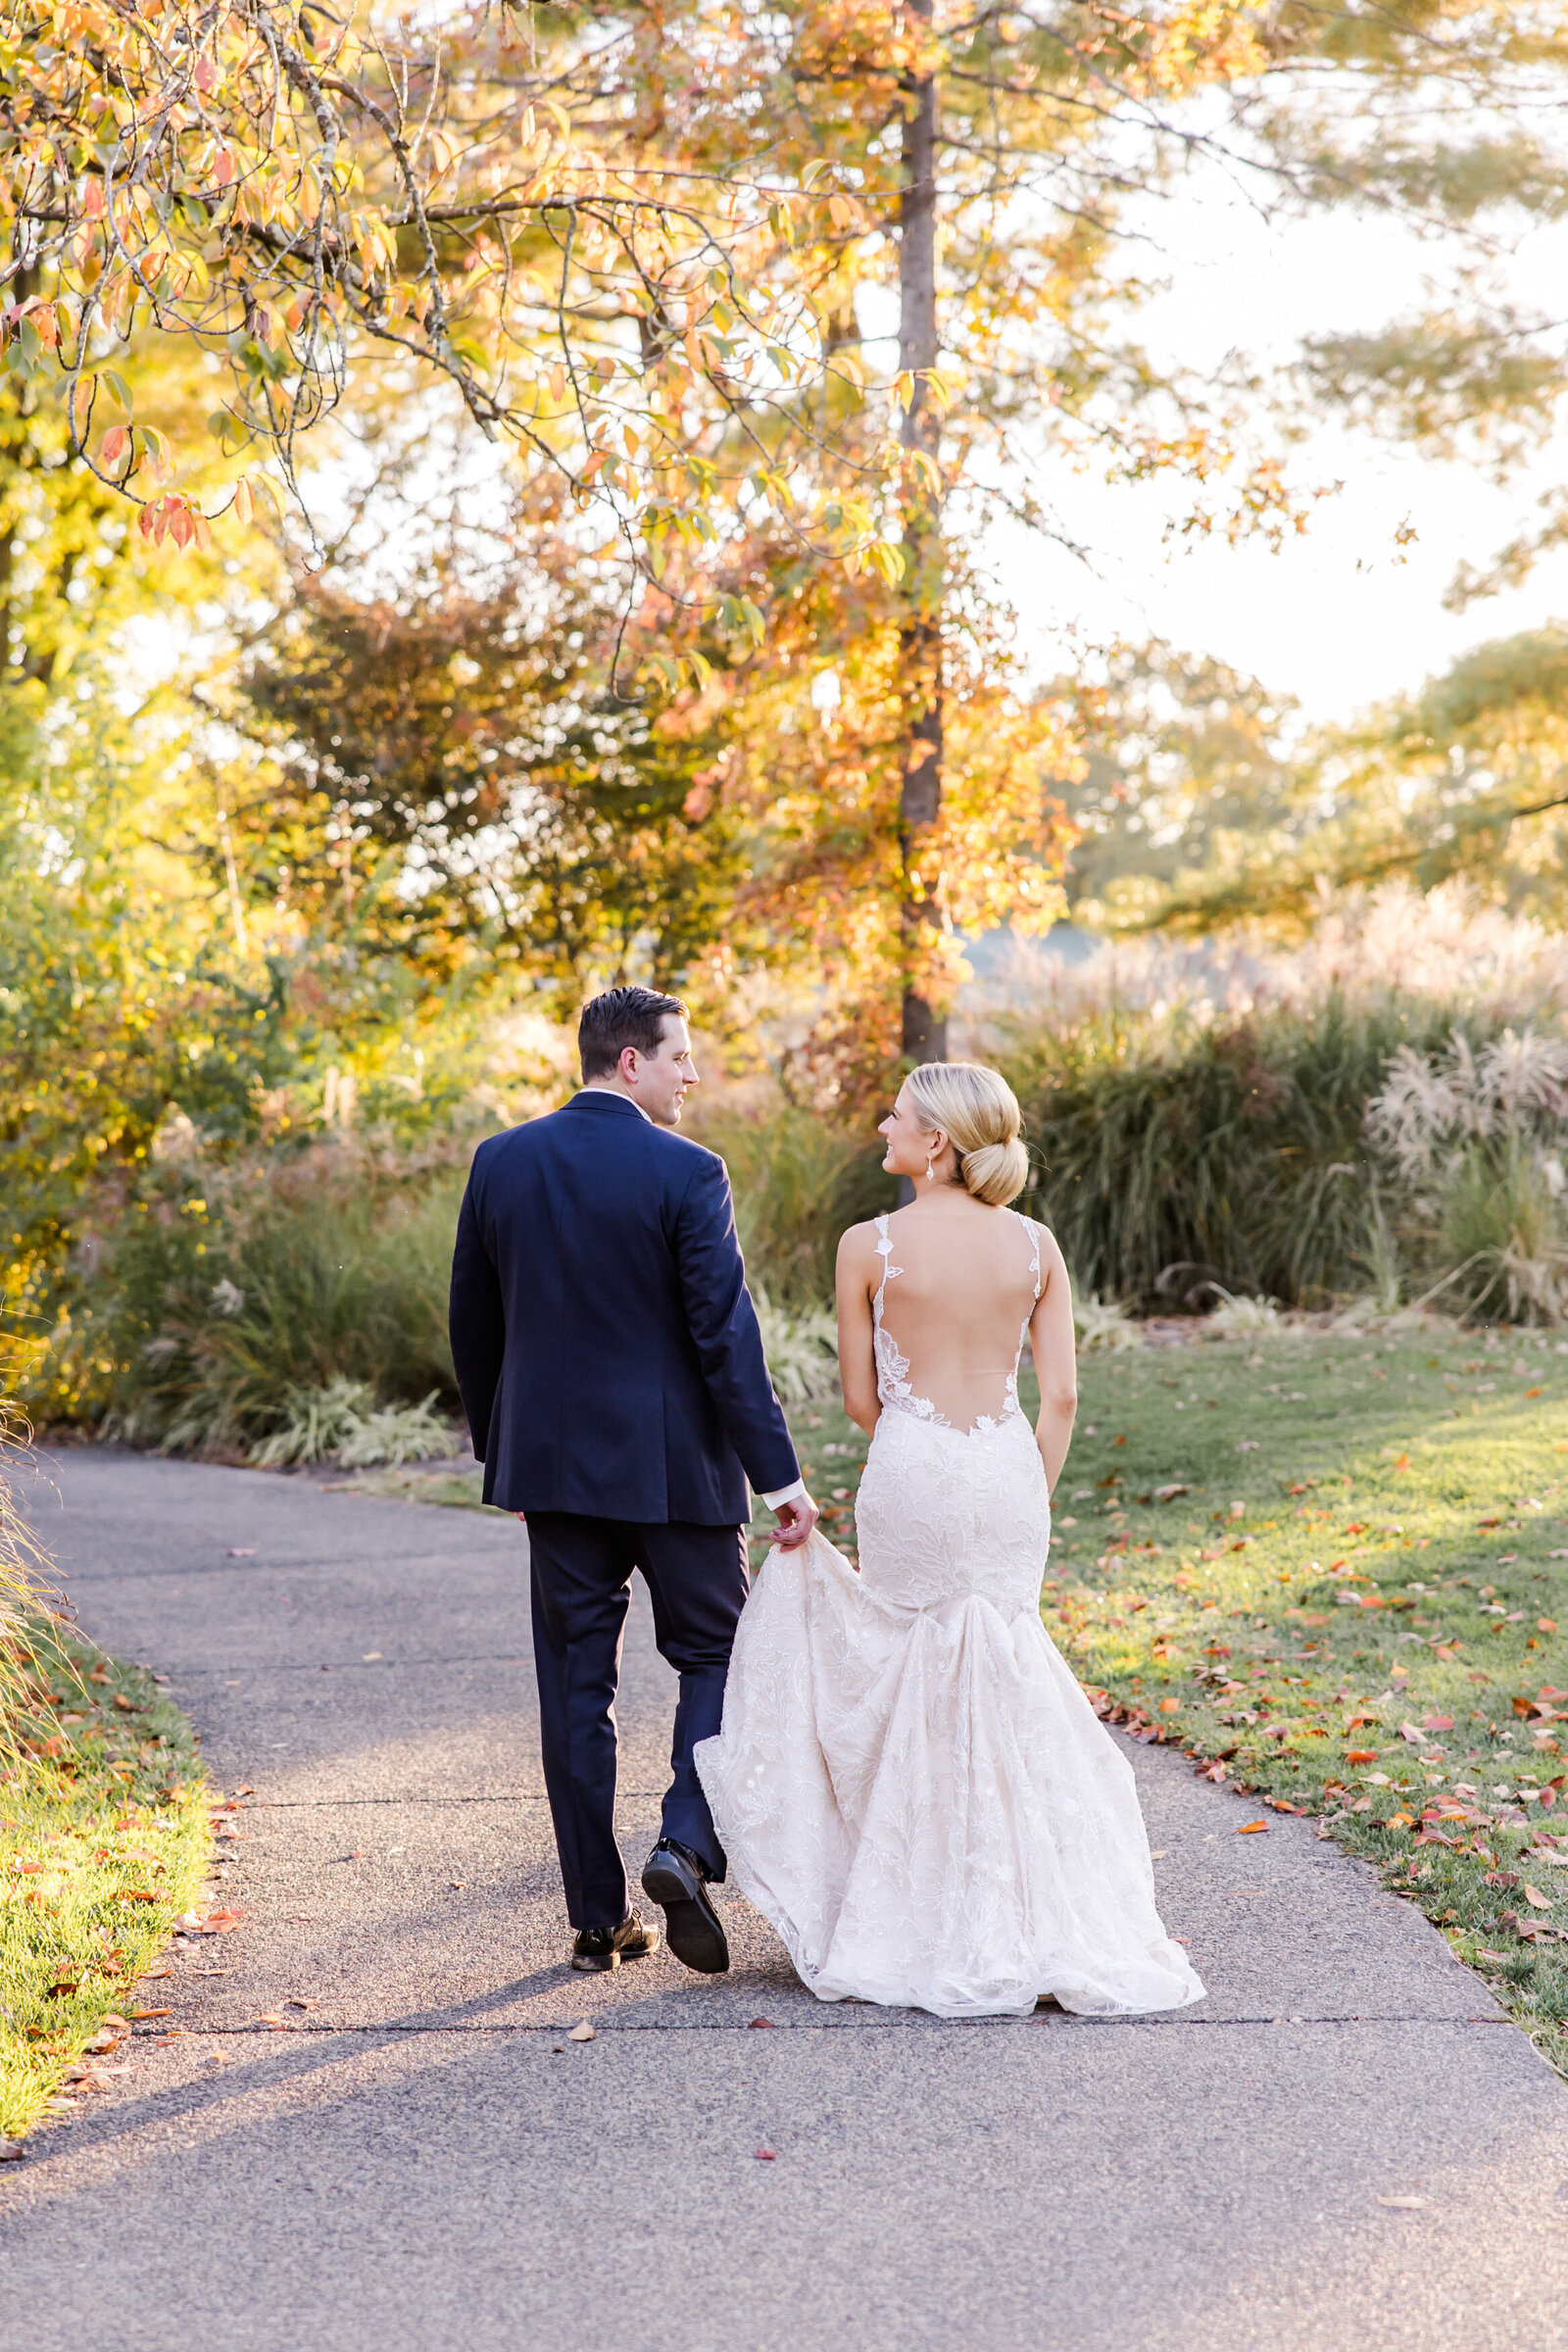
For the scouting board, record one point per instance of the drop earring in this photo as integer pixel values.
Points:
(930, 1170)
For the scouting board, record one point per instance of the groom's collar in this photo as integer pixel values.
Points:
(607, 1094)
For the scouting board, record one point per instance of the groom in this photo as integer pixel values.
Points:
(612, 1370)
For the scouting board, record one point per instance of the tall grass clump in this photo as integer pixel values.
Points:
(797, 1183)
(1477, 1138)
(221, 1297)
(1176, 1156)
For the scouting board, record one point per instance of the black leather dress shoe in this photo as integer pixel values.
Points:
(598, 1948)
(673, 1878)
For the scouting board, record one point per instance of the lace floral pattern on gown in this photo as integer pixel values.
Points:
(910, 1783)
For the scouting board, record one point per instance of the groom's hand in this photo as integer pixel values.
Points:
(795, 1520)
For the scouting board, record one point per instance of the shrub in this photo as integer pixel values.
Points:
(1174, 1156)
(797, 1183)
(213, 1308)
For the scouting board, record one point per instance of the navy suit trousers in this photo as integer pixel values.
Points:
(581, 1579)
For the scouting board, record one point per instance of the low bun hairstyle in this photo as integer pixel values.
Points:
(979, 1115)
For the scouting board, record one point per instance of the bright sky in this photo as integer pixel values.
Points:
(1334, 619)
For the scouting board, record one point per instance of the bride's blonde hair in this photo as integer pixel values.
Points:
(979, 1114)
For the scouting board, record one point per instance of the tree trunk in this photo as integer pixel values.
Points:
(925, 1029)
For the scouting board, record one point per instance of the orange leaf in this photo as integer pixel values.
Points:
(1532, 1392)
(1547, 1625)
(1361, 1755)
(1248, 1827)
(244, 507)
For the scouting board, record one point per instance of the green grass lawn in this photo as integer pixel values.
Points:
(1348, 1600)
(104, 1842)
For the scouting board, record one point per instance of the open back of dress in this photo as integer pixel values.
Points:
(952, 1313)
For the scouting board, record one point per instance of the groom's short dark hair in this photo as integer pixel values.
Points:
(622, 1017)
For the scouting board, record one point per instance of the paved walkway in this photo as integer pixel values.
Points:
(427, 2161)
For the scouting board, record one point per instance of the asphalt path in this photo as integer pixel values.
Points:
(1347, 2144)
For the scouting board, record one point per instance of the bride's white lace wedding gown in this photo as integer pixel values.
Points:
(910, 1783)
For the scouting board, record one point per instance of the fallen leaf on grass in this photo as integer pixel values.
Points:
(1248, 1827)
(1545, 1625)
(582, 2032)
(1170, 1492)
(1533, 1894)
(1438, 1723)
(1407, 2204)
(1361, 1755)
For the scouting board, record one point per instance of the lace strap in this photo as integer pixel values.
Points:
(884, 1246)
(1033, 1231)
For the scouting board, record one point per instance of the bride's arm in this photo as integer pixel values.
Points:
(857, 1354)
(1053, 1343)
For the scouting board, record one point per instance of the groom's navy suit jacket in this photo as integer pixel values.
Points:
(607, 1349)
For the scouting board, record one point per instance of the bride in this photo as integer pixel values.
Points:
(909, 1781)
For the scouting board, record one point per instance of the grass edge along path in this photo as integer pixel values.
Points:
(105, 1839)
(1335, 1583)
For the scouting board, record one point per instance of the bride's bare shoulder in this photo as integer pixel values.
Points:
(857, 1244)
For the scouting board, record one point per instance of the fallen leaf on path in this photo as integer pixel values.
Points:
(455, 1885)
(767, 2155)
(1248, 1827)
(758, 2021)
(224, 1922)
(162, 1968)
(298, 2001)
(582, 2032)
(271, 2017)
(10, 2150)
(136, 2013)
(1407, 2204)
(370, 1657)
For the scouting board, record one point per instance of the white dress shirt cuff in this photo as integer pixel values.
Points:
(785, 1494)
